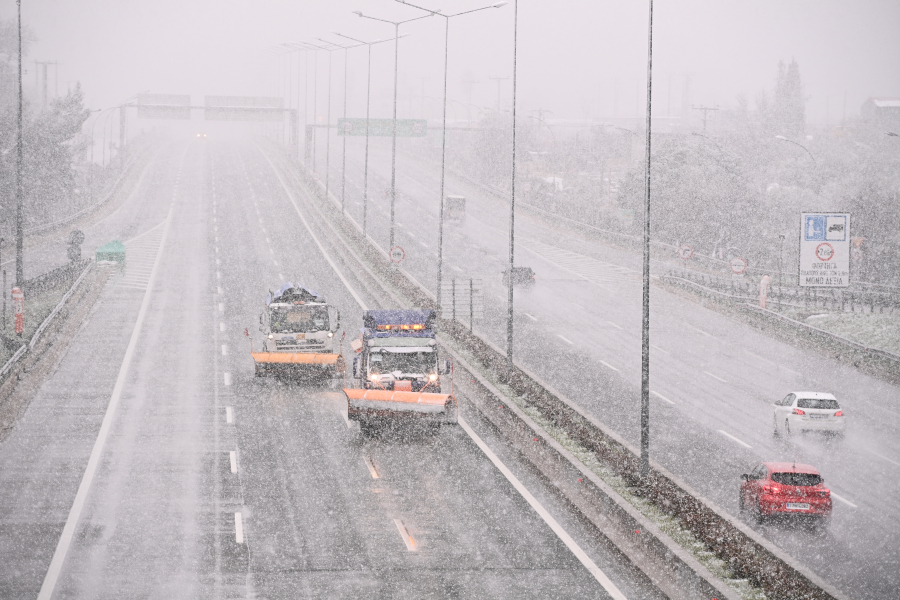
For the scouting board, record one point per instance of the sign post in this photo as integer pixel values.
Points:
(764, 291)
(825, 249)
(19, 310)
(685, 252)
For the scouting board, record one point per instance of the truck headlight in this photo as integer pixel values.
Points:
(432, 377)
(330, 334)
(374, 376)
(271, 337)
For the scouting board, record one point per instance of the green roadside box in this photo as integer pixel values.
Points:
(113, 251)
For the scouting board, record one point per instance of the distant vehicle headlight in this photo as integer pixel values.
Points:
(433, 377)
(271, 337)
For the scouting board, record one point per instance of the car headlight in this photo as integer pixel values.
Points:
(271, 337)
(330, 334)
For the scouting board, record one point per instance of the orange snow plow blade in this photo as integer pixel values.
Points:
(295, 358)
(364, 404)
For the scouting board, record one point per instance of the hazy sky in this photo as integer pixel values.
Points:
(577, 58)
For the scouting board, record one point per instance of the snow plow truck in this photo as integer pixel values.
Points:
(398, 371)
(298, 328)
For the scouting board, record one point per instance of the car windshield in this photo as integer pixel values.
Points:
(405, 362)
(804, 479)
(301, 319)
(828, 403)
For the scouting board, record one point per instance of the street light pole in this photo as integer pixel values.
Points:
(20, 192)
(645, 314)
(444, 137)
(396, 25)
(368, 96)
(512, 201)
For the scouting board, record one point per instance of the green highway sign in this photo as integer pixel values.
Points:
(383, 127)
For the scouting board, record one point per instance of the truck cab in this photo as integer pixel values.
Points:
(397, 351)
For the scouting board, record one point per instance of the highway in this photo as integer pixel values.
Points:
(713, 380)
(153, 463)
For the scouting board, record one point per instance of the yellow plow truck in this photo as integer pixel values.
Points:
(298, 335)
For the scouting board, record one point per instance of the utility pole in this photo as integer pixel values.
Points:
(705, 110)
(498, 80)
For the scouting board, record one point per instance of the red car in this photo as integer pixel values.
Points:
(781, 489)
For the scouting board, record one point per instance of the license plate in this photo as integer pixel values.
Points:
(818, 416)
(797, 506)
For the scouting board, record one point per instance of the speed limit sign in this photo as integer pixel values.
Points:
(397, 254)
(685, 251)
(738, 265)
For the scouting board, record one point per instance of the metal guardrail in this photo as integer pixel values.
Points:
(29, 347)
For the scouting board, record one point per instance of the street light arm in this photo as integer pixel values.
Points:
(395, 23)
(368, 43)
(438, 13)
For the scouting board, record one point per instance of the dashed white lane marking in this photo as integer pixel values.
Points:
(589, 564)
(233, 457)
(616, 326)
(842, 499)
(224, 349)
(238, 528)
(423, 244)
(660, 396)
(714, 377)
(728, 435)
(660, 349)
(281, 277)
(218, 275)
(216, 229)
(221, 307)
(268, 241)
(455, 268)
(565, 340)
(218, 262)
(894, 462)
(219, 290)
(701, 331)
(407, 539)
(371, 467)
(608, 365)
(217, 249)
(777, 366)
(229, 414)
(68, 533)
(227, 378)
(221, 326)
(275, 261)
(587, 268)
(530, 317)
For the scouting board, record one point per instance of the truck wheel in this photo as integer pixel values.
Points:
(260, 370)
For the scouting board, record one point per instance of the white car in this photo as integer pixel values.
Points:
(808, 411)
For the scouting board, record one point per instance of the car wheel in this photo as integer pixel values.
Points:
(758, 516)
(775, 431)
(741, 502)
(787, 427)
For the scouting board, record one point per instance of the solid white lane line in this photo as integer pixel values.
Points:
(316, 239)
(589, 564)
(227, 378)
(221, 326)
(658, 395)
(616, 326)
(407, 539)
(233, 457)
(371, 466)
(882, 457)
(224, 349)
(842, 499)
(238, 528)
(608, 365)
(714, 377)
(658, 348)
(68, 533)
(565, 340)
(728, 435)
(229, 414)
(530, 317)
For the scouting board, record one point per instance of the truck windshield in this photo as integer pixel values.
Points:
(406, 362)
(300, 319)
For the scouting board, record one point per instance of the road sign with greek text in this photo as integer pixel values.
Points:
(825, 249)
